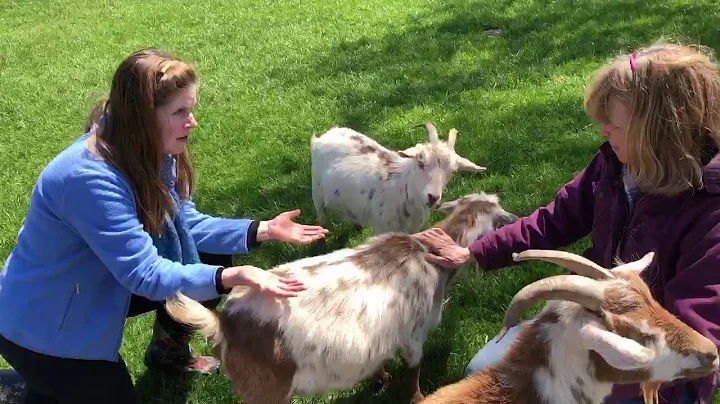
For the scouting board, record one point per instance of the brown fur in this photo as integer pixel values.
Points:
(678, 335)
(248, 350)
(363, 148)
(508, 382)
(367, 149)
(630, 305)
(391, 257)
(465, 216)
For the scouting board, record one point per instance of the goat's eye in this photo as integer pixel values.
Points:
(421, 164)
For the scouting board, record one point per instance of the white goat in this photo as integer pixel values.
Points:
(362, 305)
(599, 328)
(367, 184)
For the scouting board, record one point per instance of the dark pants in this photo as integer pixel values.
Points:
(56, 380)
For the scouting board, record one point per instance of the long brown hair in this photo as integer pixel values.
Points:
(129, 136)
(673, 95)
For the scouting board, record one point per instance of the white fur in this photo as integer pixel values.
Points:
(356, 344)
(568, 358)
(382, 189)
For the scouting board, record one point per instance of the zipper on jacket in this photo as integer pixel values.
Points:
(76, 291)
(628, 220)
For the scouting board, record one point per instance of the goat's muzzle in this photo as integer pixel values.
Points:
(709, 362)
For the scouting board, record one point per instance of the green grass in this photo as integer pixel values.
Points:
(275, 72)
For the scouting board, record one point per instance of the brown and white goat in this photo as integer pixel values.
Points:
(599, 328)
(362, 305)
(367, 184)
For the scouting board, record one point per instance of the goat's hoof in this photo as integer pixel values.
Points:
(382, 381)
(417, 398)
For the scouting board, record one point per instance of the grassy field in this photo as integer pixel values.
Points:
(275, 72)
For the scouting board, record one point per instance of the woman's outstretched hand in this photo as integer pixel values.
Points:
(261, 280)
(282, 228)
(443, 249)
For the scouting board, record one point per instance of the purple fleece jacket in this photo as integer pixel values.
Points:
(683, 230)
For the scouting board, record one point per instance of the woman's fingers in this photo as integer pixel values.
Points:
(291, 282)
(438, 260)
(291, 213)
(315, 229)
(435, 239)
(422, 237)
(293, 288)
(279, 292)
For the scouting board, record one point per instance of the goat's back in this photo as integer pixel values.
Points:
(340, 142)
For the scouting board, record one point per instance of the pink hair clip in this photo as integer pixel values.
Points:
(632, 61)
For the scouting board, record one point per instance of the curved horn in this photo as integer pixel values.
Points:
(573, 262)
(574, 288)
(432, 133)
(451, 138)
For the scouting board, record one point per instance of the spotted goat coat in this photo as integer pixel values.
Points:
(362, 305)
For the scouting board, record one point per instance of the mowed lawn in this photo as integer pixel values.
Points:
(509, 75)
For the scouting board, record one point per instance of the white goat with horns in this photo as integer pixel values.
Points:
(368, 184)
(599, 327)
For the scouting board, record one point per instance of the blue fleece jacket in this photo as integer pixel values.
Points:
(81, 252)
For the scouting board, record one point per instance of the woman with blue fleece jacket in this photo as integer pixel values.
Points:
(111, 232)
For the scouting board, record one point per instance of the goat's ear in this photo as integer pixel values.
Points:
(452, 137)
(619, 352)
(636, 266)
(448, 207)
(464, 164)
(503, 219)
(410, 152)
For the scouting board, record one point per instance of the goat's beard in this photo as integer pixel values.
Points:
(650, 392)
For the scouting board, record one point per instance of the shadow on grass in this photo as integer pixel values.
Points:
(440, 56)
(426, 66)
(156, 387)
(423, 65)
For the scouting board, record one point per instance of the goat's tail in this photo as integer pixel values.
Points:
(188, 311)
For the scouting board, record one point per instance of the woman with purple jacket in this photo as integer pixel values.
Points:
(654, 185)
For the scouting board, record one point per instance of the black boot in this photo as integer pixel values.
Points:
(171, 354)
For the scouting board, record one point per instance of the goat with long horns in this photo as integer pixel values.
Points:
(599, 327)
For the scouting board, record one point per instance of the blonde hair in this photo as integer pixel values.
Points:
(672, 92)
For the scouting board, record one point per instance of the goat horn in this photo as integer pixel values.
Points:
(573, 262)
(451, 138)
(432, 132)
(574, 288)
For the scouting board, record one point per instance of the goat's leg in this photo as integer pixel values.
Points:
(258, 383)
(383, 378)
(318, 202)
(413, 359)
(414, 383)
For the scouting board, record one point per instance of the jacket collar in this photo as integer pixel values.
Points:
(167, 171)
(711, 170)
(711, 175)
